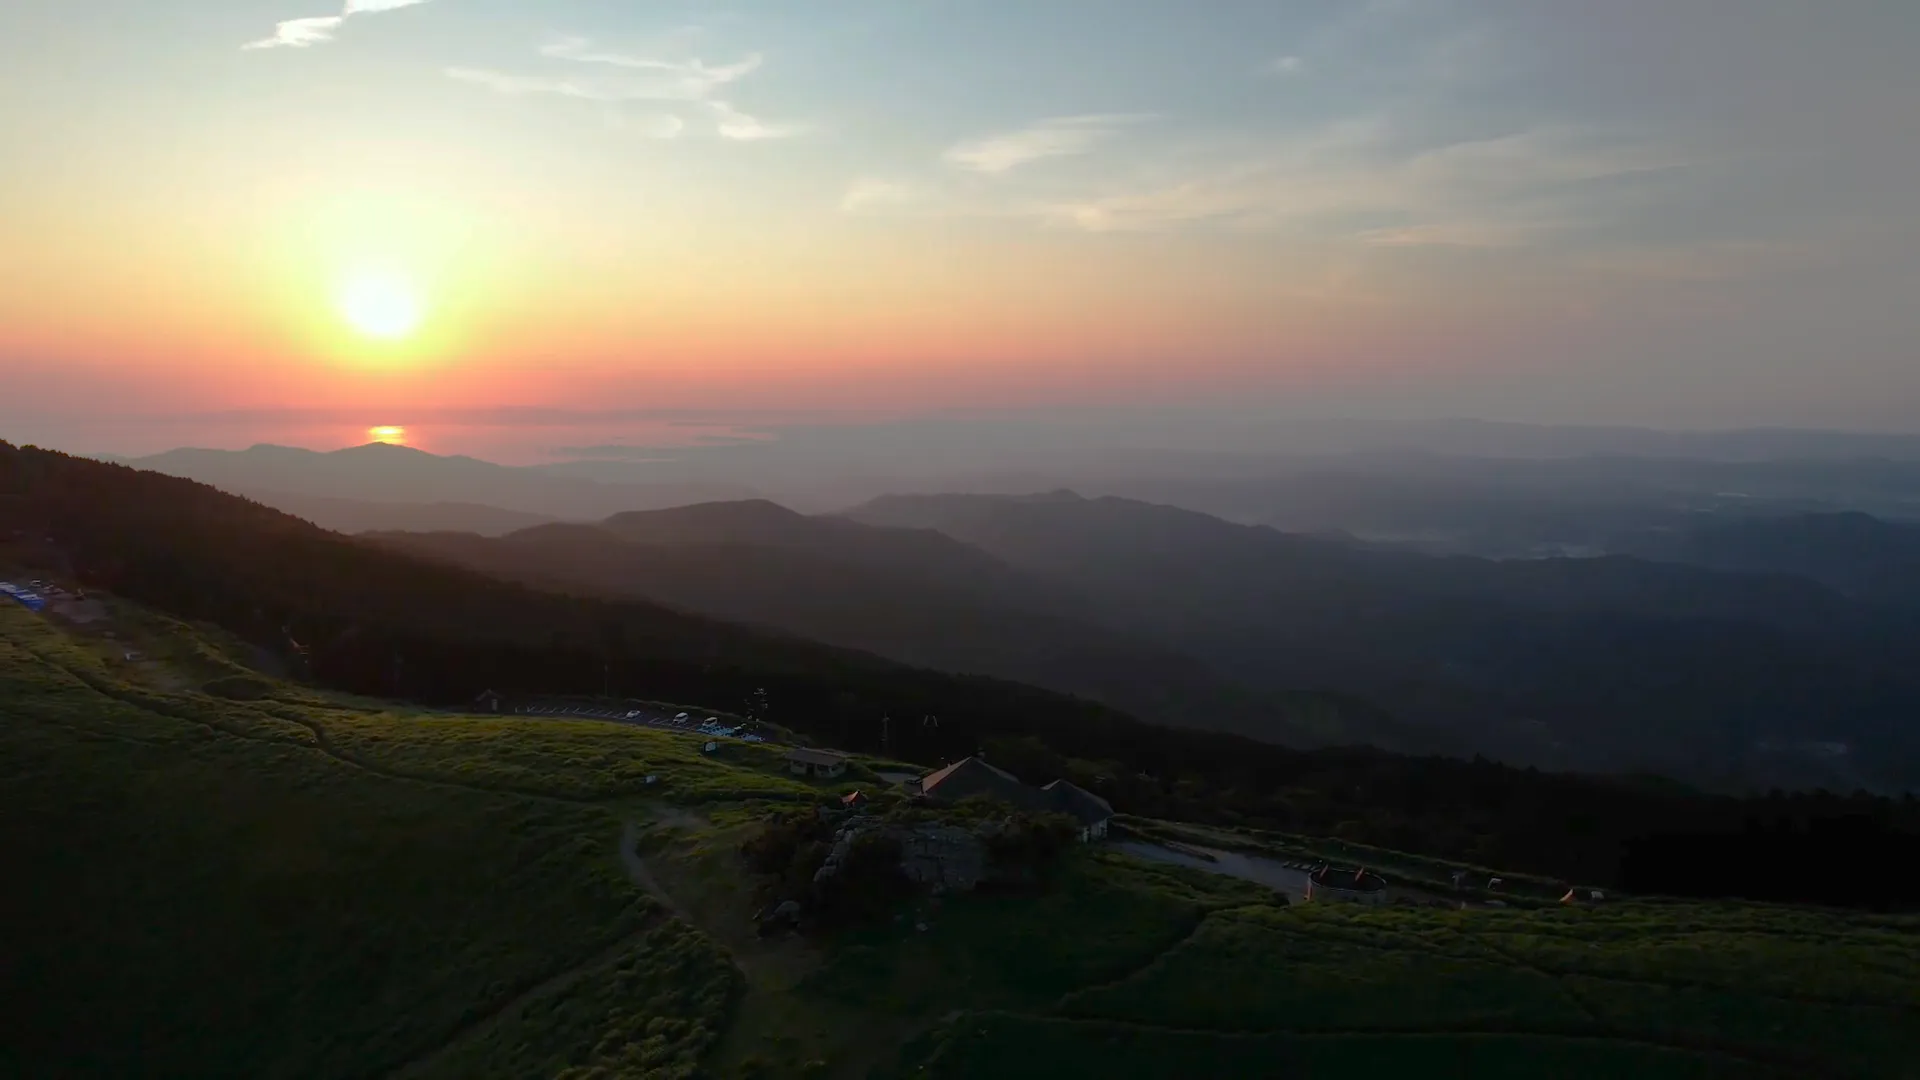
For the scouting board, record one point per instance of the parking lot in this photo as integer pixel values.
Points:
(685, 722)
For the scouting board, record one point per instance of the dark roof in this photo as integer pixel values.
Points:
(812, 756)
(973, 776)
(1078, 803)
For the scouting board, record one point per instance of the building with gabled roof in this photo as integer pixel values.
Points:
(971, 776)
(1090, 810)
(807, 761)
(974, 776)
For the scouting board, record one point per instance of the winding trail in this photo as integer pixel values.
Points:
(1130, 974)
(640, 874)
(175, 707)
(553, 984)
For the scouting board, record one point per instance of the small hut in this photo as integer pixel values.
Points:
(1355, 885)
(806, 761)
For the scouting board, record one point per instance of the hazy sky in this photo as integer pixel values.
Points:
(1672, 212)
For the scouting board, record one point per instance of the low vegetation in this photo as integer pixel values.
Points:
(1017, 1047)
(216, 898)
(654, 1009)
(358, 619)
(281, 882)
(1812, 994)
(581, 760)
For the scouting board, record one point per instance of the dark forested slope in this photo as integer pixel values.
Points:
(373, 620)
(1611, 663)
(1863, 556)
(914, 596)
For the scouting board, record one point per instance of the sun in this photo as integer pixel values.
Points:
(380, 305)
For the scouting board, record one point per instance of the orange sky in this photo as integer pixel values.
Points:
(600, 207)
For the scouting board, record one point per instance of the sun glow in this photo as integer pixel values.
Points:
(391, 434)
(381, 306)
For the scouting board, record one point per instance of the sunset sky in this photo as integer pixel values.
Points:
(229, 220)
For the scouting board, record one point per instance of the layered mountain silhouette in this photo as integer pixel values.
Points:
(382, 473)
(1872, 560)
(914, 595)
(1609, 662)
(348, 614)
(365, 515)
(1739, 651)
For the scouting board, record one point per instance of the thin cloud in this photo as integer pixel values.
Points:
(1060, 136)
(870, 193)
(1509, 191)
(638, 78)
(603, 88)
(696, 72)
(300, 33)
(736, 125)
(368, 7)
(666, 126)
(318, 29)
(1286, 65)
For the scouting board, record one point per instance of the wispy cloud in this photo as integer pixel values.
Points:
(685, 80)
(637, 78)
(1060, 136)
(734, 124)
(367, 7)
(657, 126)
(870, 193)
(1286, 65)
(1511, 190)
(585, 87)
(318, 29)
(299, 33)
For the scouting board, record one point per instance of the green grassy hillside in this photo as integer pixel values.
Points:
(214, 873)
(208, 888)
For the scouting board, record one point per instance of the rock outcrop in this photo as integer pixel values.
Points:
(939, 857)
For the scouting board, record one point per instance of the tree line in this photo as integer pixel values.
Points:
(369, 620)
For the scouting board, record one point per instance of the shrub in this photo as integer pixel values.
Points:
(868, 884)
(239, 688)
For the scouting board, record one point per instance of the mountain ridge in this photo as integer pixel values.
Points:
(1553, 661)
(381, 472)
(927, 600)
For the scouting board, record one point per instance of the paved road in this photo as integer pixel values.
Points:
(1288, 876)
(653, 718)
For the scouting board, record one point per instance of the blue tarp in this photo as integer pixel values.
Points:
(28, 599)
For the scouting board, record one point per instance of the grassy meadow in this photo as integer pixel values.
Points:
(200, 888)
(217, 873)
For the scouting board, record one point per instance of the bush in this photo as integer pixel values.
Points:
(771, 850)
(239, 688)
(868, 885)
(1032, 843)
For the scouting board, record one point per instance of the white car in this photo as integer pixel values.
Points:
(680, 718)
